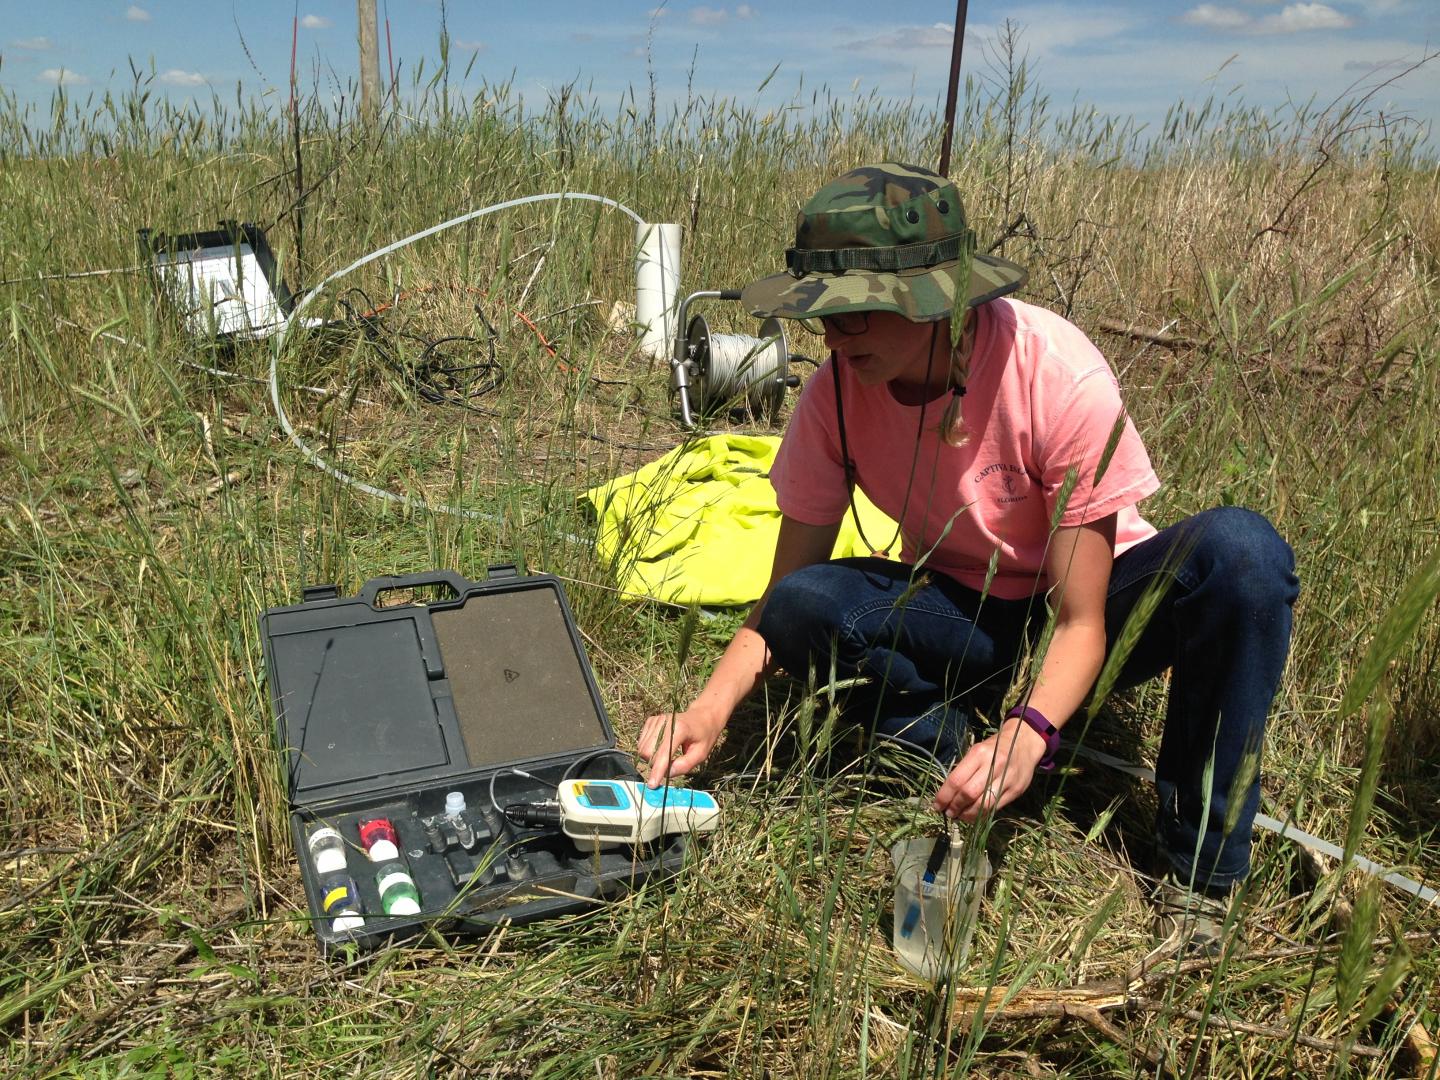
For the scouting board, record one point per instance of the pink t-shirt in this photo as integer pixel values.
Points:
(1040, 400)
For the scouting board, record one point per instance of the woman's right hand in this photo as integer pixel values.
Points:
(674, 743)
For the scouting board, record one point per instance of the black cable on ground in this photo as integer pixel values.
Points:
(434, 378)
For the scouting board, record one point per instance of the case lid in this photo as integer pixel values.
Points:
(370, 697)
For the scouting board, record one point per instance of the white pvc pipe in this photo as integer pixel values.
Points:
(657, 287)
(1290, 832)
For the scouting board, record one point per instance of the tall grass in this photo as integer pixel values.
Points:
(1284, 276)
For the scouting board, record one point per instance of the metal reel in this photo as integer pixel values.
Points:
(722, 367)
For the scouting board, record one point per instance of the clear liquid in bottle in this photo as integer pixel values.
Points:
(935, 920)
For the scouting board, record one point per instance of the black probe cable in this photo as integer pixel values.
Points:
(436, 382)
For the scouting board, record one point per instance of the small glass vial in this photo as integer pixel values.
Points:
(459, 820)
(379, 840)
(327, 850)
(340, 901)
(434, 835)
(494, 822)
(516, 868)
(398, 894)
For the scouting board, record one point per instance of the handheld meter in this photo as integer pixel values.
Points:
(604, 813)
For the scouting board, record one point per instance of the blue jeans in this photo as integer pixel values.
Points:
(1222, 626)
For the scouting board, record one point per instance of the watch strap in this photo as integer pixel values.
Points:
(1037, 722)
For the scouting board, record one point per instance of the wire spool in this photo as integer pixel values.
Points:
(726, 366)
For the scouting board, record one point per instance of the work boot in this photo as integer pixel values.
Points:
(1190, 922)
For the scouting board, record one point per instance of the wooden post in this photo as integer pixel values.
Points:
(955, 50)
(369, 62)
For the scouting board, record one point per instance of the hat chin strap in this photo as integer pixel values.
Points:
(849, 465)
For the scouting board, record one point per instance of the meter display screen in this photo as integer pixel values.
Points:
(601, 795)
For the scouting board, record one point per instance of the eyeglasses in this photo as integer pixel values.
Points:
(848, 323)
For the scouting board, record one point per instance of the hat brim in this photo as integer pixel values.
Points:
(924, 294)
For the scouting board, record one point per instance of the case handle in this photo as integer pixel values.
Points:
(372, 590)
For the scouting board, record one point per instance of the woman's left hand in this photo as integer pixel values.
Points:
(993, 773)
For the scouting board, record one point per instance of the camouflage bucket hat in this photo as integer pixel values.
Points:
(885, 237)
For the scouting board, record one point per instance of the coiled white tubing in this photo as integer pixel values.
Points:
(312, 456)
(740, 362)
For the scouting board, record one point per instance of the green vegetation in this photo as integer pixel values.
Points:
(1270, 294)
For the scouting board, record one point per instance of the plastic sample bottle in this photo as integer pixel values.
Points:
(340, 901)
(936, 903)
(398, 894)
(379, 839)
(327, 850)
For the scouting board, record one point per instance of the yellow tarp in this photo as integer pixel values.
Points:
(698, 526)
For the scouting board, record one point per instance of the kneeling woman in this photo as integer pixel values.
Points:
(993, 432)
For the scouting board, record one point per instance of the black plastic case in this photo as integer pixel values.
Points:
(383, 707)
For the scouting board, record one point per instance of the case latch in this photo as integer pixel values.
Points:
(310, 593)
(501, 570)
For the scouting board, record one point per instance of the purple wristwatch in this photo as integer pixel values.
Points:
(1046, 730)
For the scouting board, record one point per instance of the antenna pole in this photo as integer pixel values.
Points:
(956, 49)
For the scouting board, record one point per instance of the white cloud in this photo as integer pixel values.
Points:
(1292, 19)
(1277, 73)
(1215, 17)
(316, 22)
(1296, 18)
(906, 38)
(176, 77)
(35, 44)
(1051, 29)
(744, 11)
(708, 16)
(61, 77)
(659, 12)
(467, 45)
(135, 13)
(1377, 65)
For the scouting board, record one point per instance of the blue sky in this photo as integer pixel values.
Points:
(1127, 57)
